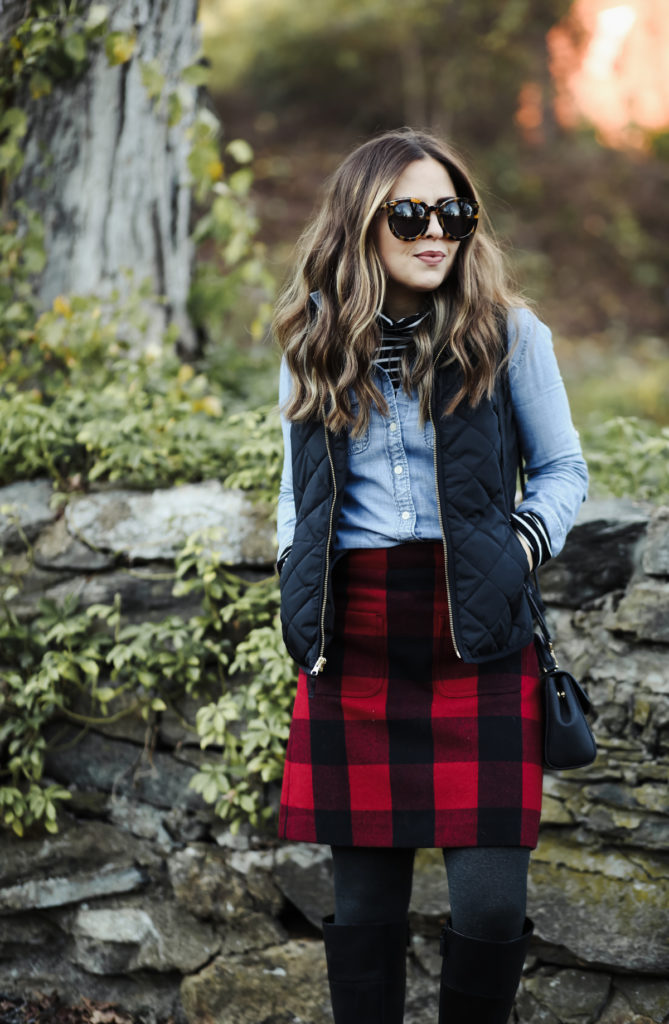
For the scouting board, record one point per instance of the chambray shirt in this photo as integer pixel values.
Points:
(390, 495)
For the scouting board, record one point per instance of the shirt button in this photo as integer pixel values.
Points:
(398, 470)
(405, 515)
(393, 426)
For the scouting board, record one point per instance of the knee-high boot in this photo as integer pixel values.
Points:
(366, 971)
(479, 978)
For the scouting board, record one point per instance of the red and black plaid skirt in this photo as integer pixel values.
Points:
(402, 743)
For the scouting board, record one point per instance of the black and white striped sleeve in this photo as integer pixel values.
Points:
(281, 560)
(532, 529)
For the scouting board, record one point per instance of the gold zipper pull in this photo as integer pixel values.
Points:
(319, 666)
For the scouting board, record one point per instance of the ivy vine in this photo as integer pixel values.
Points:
(92, 667)
(52, 45)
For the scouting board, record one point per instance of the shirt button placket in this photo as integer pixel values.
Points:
(398, 459)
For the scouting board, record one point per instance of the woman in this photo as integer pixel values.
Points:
(413, 381)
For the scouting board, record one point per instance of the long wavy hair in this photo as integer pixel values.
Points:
(330, 350)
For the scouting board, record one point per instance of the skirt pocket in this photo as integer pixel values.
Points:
(456, 678)
(357, 663)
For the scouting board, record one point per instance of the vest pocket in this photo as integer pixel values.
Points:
(520, 549)
(357, 662)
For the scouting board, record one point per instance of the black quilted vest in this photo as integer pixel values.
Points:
(476, 464)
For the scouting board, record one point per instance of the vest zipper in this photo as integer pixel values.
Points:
(443, 538)
(321, 661)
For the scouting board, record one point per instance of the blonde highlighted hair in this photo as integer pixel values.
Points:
(331, 350)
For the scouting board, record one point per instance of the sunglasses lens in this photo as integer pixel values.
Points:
(457, 218)
(407, 220)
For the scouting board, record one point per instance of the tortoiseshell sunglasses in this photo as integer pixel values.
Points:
(408, 219)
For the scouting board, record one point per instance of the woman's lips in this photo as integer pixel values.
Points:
(431, 258)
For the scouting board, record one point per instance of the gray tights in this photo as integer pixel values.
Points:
(487, 887)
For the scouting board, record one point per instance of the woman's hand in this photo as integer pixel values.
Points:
(527, 550)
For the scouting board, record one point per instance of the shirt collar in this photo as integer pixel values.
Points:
(405, 324)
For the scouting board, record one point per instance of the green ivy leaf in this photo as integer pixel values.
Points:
(97, 16)
(105, 693)
(40, 85)
(240, 150)
(240, 181)
(15, 121)
(195, 74)
(75, 47)
(153, 79)
(119, 47)
(174, 109)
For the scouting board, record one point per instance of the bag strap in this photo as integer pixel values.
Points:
(548, 663)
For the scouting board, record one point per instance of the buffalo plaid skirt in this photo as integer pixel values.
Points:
(401, 743)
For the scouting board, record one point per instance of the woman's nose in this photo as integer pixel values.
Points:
(434, 229)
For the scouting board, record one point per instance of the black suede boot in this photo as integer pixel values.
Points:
(478, 978)
(366, 971)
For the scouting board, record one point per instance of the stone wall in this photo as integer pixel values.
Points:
(146, 900)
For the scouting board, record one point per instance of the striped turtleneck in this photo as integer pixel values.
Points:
(396, 336)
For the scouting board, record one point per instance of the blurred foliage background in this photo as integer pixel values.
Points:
(585, 223)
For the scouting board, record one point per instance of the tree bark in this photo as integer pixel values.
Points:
(11, 14)
(106, 171)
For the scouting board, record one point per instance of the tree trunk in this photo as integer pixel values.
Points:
(12, 13)
(106, 171)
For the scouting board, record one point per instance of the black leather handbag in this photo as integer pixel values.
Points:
(568, 739)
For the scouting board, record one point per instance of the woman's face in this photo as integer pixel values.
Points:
(414, 268)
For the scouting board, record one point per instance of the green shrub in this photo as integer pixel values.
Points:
(628, 457)
(99, 414)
